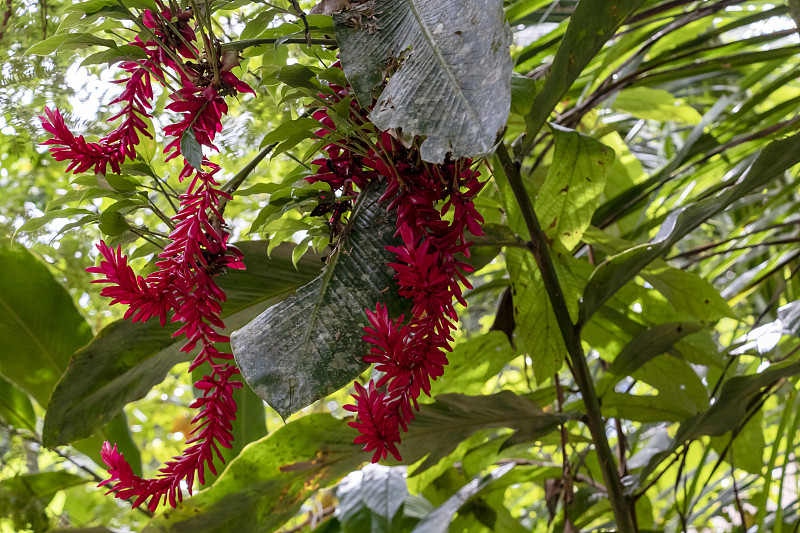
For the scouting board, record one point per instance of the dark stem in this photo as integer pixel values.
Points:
(6, 18)
(247, 43)
(236, 181)
(580, 368)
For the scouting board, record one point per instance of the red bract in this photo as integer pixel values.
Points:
(183, 284)
(429, 272)
(81, 155)
(186, 284)
(202, 109)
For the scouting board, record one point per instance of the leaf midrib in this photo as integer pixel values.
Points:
(440, 59)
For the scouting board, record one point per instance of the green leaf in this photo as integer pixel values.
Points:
(537, 329)
(642, 348)
(302, 126)
(439, 520)
(655, 104)
(34, 224)
(523, 92)
(592, 23)
(436, 92)
(270, 480)
(24, 498)
(439, 427)
(15, 407)
(68, 41)
(113, 223)
(610, 276)
(310, 345)
(728, 412)
(568, 197)
(191, 149)
(747, 448)
(298, 76)
(114, 55)
(473, 362)
(125, 360)
(688, 293)
(40, 328)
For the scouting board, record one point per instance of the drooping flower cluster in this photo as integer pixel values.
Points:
(182, 289)
(430, 271)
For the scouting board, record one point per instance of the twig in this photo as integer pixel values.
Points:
(247, 43)
(6, 18)
(302, 15)
(566, 474)
(580, 369)
(739, 507)
(312, 517)
(236, 181)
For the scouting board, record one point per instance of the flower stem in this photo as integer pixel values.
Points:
(580, 369)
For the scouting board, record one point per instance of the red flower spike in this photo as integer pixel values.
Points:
(183, 284)
(413, 354)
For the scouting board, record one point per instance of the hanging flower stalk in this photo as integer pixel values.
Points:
(182, 289)
(409, 352)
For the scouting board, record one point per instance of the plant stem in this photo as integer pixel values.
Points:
(580, 368)
(247, 43)
(236, 181)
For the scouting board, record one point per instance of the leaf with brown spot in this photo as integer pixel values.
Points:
(570, 192)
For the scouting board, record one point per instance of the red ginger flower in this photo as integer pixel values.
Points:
(376, 423)
(429, 272)
(81, 155)
(186, 286)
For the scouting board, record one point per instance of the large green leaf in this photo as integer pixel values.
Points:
(310, 345)
(40, 328)
(439, 427)
(270, 480)
(592, 23)
(125, 360)
(655, 104)
(537, 330)
(728, 412)
(568, 197)
(642, 348)
(771, 163)
(473, 362)
(453, 84)
(688, 292)
(15, 407)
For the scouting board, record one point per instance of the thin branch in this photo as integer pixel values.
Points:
(247, 43)
(302, 15)
(580, 369)
(235, 182)
(6, 18)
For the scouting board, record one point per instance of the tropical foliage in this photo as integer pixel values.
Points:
(399, 266)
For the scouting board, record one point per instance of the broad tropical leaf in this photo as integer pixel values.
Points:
(125, 360)
(310, 345)
(453, 84)
(270, 479)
